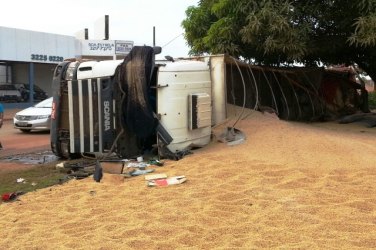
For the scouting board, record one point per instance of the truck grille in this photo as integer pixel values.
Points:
(91, 119)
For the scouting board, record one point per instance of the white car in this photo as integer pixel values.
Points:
(37, 117)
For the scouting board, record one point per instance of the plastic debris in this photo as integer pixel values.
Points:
(10, 196)
(60, 165)
(140, 165)
(232, 136)
(137, 172)
(167, 181)
(20, 180)
(156, 163)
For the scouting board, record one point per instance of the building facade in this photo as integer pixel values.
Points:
(29, 58)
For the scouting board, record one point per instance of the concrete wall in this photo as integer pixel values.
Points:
(25, 46)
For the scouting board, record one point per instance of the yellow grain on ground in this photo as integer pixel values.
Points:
(289, 186)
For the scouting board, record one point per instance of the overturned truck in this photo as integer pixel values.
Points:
(126, 107)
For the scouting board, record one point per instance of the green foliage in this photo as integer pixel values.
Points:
(365, 31)
(272, 32)
(372, 100)
(198, 22)
(271, 23)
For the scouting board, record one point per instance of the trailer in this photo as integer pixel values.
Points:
(128, 107)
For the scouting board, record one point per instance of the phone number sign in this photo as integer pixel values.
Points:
(46, 58)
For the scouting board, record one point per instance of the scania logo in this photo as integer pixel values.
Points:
(107, 118)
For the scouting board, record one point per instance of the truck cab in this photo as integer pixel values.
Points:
(126, 107)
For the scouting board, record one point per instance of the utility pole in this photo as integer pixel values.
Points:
(153, 36)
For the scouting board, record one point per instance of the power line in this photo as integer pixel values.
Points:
(173, 40)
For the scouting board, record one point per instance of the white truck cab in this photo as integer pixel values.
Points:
(126, 106)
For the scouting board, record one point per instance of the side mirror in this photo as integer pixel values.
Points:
(157, 50)
(170, 58)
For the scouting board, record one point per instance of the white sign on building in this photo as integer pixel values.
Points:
(123, 47)
(105, 47)
(97, 47)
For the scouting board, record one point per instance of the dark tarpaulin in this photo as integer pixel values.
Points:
(135, 73)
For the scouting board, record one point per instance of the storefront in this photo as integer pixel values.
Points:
(28, 59)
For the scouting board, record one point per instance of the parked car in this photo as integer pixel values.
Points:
(39, 93)
(37, 117)
(9, 93)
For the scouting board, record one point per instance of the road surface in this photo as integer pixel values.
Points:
(16, 142)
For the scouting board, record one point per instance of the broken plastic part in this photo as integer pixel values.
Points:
(232, 136)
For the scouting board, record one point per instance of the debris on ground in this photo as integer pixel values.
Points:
(98, 172)
(150, 177)
(137, 172)
(369, 119)
(21, 180)
(232, 136)
(78, 170)
(162, 182)
(10, 196)
(156, 162)
(125, 167)
(139, 165)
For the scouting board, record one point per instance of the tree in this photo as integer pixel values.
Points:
(274, 32)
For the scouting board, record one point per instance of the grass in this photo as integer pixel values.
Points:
(36, 177)
(372, 100)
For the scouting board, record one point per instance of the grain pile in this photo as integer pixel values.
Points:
(290, 185)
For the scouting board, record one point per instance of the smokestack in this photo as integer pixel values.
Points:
(102, 28)
(153, 36)
(106, 27)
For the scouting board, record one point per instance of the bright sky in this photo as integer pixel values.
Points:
(129, 19)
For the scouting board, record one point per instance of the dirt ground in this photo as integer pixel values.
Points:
(288, 186)
(16, 142)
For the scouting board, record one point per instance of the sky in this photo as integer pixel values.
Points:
(131, 20)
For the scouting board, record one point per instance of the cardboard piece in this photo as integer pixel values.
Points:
(112, 167)
(150, 177)
(167, 181)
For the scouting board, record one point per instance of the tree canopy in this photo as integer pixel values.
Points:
(274, 32)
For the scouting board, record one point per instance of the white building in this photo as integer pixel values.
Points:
(30, 57)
